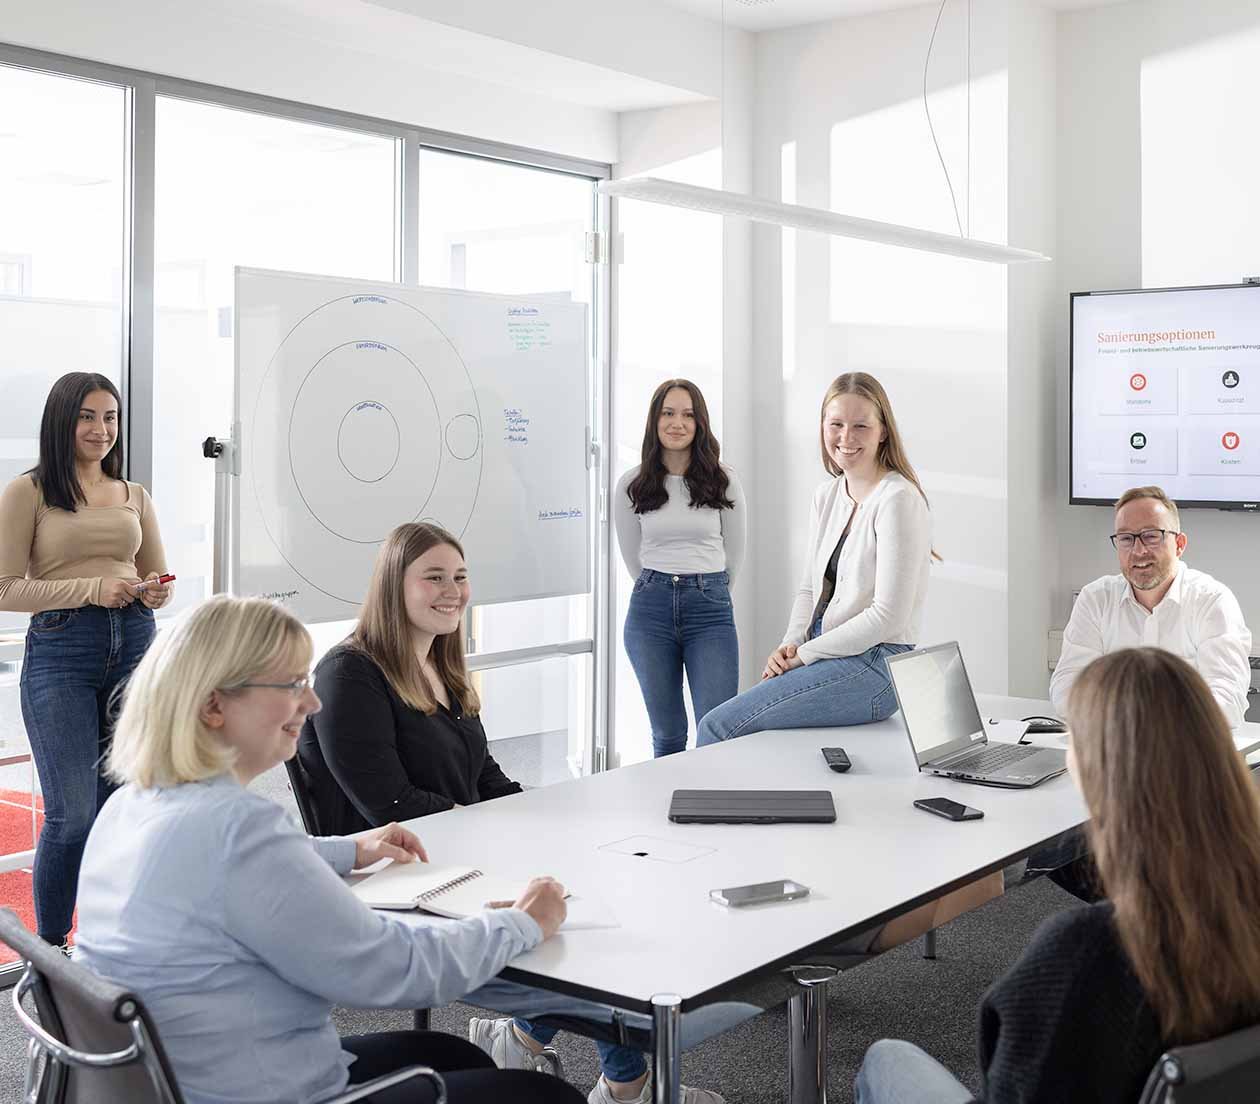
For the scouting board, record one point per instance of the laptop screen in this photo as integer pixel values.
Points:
(937, 705)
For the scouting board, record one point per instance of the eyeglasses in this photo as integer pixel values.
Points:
(1151, 538)
(297, 688)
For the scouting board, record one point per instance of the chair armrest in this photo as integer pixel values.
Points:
(389, 1080)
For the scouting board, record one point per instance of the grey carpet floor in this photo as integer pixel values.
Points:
(898, 995)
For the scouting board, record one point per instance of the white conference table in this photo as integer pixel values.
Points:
(675, 950)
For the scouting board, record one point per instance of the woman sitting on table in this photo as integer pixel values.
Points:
(1173, 957)
(399, 736)
(866, 576)
(234, 927)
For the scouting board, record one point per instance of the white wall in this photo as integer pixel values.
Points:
(843, 100)
(1032, 369)
(657, 40)
(1156, 180)
(305, 55)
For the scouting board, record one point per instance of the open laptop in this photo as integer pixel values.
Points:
(752, 807)
(946, 730)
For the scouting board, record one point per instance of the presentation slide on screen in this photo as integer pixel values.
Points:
(1166, 389)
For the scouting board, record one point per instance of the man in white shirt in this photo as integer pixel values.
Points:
(1158, 601)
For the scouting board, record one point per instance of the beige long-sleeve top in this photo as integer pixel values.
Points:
(56, 559)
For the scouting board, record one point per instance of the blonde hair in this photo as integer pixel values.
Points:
(1175, 831)
(383, 633)
(1157, 493)
(892, 452)
(160, 739)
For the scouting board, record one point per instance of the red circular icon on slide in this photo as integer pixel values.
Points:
(1231, 441)
(1137, 381)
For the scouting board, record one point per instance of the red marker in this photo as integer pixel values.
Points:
(160, 579)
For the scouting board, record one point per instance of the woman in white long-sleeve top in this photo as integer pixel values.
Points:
(233, 926)
(866, 577)
(681, 524)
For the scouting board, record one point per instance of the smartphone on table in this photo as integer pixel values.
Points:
(759, 893)
(950, 810)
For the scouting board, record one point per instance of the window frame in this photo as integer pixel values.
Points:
(137, 367)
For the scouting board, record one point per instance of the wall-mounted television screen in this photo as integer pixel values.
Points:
(1165, 389)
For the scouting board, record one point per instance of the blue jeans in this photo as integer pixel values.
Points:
(827, 693)
(619, 1063)
(75, 661)
(897, 1072)
(677, 622)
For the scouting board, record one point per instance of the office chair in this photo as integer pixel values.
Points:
(1220, 1071)
(300, 784)
(95, 1042)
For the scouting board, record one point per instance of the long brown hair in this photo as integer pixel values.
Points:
(56, 473)
(384, 632)
(1175, 832)
(706, 482)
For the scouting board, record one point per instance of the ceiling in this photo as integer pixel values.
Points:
(765, 15)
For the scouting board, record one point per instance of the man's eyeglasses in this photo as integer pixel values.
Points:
(297, 688)
(1151, 538)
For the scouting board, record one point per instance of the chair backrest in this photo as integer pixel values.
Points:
(93, 1041)
(300, 784)
(1220, 1071)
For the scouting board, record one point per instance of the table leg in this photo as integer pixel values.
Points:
(807, 1035)
(667, 1053)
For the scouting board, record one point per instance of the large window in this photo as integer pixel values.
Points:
(503, 228)
(62, 264)
(62, 246)
(119, 191)
(240, 188)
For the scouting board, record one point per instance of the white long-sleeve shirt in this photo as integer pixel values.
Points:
(882, 575)
(1199, 619)
(679, 539)
(235, 930)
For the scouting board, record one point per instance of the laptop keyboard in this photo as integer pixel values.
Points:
(992, 757)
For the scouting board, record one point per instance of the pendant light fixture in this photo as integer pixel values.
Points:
(734, 204)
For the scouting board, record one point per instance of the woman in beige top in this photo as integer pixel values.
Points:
(79, 551)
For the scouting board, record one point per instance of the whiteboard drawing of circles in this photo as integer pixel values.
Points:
(366, 418)
(463, 437)
(368, 441)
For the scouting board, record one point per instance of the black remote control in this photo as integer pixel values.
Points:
(837, 760)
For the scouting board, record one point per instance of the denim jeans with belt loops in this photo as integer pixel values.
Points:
(677, 623)
(75, 662)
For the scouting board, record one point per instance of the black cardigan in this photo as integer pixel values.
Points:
(372, 758)
(1069, 1021)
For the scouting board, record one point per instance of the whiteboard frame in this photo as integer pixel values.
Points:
(594, 520)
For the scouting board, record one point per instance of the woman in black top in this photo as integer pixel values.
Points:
(1172, 957)
(399, 736)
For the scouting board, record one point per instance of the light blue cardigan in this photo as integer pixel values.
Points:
(238, 934)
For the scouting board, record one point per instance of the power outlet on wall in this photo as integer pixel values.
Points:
(1054, 647)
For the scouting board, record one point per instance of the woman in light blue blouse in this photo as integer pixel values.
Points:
(234, 927)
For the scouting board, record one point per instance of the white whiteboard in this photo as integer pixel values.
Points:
(360, 406)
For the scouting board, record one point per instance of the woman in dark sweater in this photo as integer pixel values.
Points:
(1172, 957)
(399, 735)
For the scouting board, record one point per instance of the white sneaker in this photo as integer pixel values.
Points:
(601, 1094)
(498, 1039)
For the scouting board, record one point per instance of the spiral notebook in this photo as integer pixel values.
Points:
(459, 891)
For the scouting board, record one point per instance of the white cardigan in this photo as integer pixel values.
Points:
(882, 576)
